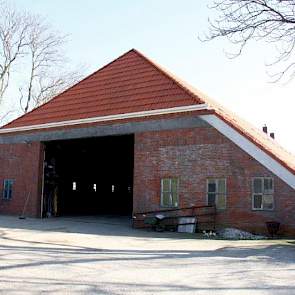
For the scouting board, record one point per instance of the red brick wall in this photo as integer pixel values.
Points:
(194, 155)
(23, 164)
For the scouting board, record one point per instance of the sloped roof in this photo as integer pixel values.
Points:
(130, 83)
(134, 83)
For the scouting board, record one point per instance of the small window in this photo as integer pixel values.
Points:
(7, 189)
(169, 192)
(262, 193)
(216, 193)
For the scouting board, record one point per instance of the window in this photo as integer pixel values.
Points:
(7, 190)
(74, 187)
(169, 192)
(216, 193)
(262, 193)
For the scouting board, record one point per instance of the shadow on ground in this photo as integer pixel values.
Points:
(77, 254)
(151, 288)
(97, 225)
(21, 258)
(45, 257)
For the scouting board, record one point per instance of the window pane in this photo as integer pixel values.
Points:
(166, 199)
(174, 199)
(211, 199)
(268, 185)
(257, 202)
(174, 184)
(268, 202)
(221, 185)
(221, 203)
(257, 185)
(211, 186)
(165, 184)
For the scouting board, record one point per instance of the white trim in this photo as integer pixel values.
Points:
(189, 108)
(252, 149)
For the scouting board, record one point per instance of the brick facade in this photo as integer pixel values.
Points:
(23, 164)
(193, 155)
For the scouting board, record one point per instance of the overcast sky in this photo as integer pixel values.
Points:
(167, 31)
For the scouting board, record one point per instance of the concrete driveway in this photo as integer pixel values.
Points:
(106, 256)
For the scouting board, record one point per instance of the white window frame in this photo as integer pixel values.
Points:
(263, 194)
(170, 191)
(216, 193)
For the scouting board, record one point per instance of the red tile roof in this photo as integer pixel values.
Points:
(131, 83)
(134, 83)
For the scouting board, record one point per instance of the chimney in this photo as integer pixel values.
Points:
(272, 135)
(264, 129)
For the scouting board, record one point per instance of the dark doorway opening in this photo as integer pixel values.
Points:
(89, 176)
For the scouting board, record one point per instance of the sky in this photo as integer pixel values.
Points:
(167, 31)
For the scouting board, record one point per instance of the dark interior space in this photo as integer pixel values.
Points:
(89, 176)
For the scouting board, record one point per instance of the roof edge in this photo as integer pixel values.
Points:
(268, 160)
(174, 110)
(273, 155)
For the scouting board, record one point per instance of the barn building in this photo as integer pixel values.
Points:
(132, 138)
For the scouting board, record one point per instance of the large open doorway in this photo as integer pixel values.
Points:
(89, 176)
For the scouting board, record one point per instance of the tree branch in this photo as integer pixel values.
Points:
(241, 21)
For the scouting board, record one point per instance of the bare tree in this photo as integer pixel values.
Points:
(271, 21)
(13, 42)
(46, 62)
(32, 49)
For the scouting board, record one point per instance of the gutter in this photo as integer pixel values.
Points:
(174, 110)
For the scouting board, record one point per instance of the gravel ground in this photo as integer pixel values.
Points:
(106, 256)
